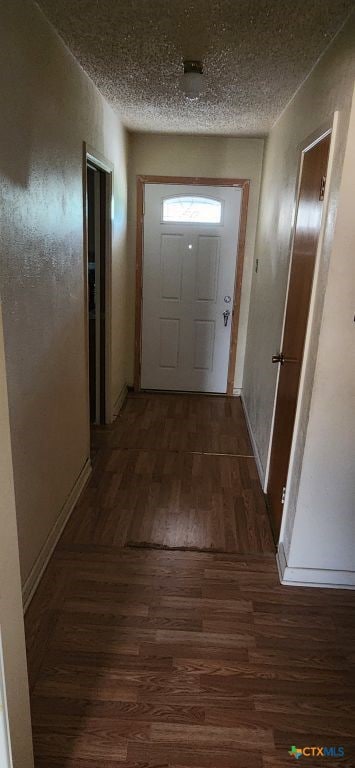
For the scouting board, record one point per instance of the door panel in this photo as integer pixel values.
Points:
(204, 344)
(171, 266)
(169, 342)
(207, 264)
(188, 270)
(307, 228)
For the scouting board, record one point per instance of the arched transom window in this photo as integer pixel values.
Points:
(189, 209)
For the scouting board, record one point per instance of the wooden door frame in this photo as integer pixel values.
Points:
(328, 128)
(90, 154)
(244, 185)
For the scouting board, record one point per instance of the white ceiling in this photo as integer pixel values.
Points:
(255, 55)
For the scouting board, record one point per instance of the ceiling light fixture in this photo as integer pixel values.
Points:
(193, 80)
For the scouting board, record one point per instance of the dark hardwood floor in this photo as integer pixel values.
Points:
(175, 472)
(156, 658)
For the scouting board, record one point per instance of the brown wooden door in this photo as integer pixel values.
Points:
(308, 222)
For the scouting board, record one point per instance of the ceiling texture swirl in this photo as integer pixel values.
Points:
(255, 54)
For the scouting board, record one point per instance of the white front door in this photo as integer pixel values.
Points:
(189, 264)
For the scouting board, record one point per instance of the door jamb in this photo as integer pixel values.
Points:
(244, 185)
(90, 154)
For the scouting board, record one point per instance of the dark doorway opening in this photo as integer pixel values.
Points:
(97, 234)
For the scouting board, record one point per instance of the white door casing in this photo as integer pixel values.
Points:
(188, 275)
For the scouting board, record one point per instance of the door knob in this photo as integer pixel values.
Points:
(280, 358)
(226, 314)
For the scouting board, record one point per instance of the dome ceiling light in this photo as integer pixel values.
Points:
(193, 80)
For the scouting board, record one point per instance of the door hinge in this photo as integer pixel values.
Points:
(322, 187)
(283, 495)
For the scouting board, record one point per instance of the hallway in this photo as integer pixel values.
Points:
(143, 657)
(171, 224)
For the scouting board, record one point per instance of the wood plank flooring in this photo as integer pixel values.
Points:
(175, 472)
(149, 658)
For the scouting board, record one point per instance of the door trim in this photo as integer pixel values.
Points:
(96, 158)
(244, 185)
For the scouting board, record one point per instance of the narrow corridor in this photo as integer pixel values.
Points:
(160, 634)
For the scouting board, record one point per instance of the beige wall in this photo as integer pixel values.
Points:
(51, 108)
(197, 156)
(328, 88)
(12, 635)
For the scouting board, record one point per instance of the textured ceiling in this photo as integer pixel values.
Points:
(255, 55)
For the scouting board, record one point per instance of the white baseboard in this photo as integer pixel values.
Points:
(119, 401)
(312, 577)
(281, 561)
(255, 447)
(40, 565)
